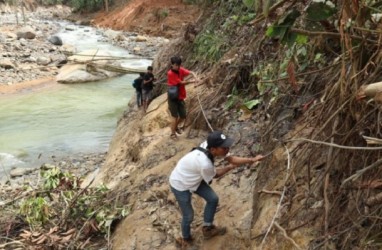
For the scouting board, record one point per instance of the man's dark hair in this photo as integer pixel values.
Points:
(149, 68)
(142, 74)
(176, 60)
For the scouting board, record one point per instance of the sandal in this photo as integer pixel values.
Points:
(179, 131)
(174, 136)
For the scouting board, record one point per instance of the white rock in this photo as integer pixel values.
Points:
(20, 172)
(42, 60)
(7, 64)
(141, 39)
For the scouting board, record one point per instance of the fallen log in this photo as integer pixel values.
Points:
(114, 68)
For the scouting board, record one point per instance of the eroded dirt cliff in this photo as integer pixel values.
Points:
(153, 17)
(280, 85)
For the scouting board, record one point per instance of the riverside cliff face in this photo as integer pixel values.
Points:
(142, 155)
(139, 161)
(138, 164)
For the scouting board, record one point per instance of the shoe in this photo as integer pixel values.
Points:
(179, 131)
(184, 244)
(211, 231)
(174, 136)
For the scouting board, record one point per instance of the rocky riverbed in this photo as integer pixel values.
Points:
(22, 180)
(29, 49)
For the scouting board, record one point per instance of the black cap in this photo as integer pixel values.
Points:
(218, 139)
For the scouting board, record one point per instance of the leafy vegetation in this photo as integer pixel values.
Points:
(87, 5)
(50, 2)
(161, 14)
(210, 46)
(35, 210)
(61, 203)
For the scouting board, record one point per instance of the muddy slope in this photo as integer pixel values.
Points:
(154, 17)
(298, 102)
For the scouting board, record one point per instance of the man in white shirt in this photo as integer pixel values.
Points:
(192, 174)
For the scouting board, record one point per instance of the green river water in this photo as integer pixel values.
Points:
(66, 119)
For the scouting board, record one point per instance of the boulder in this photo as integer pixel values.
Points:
(2, 38)
(58, 60)
(42, 60)
(23, 42)
(70, 28)
(78, 73)
(141, 39)
(20, 172)
(112, 34)
(56, 40)
(26, 33)
(68, 49)
(10, 36)
(7, 64)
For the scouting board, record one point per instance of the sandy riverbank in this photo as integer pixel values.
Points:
(37, 84)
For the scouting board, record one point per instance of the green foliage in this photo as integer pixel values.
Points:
(249, 3)
(281, 29)
(232, 99)
(61, 197)
(161, 14)
(199, 2)
(252, 103)
(36, 210)
(50, 2)
(265, 73)
(259, 5)
(90, 205)
(243, 19)
(164, 13)
(209, 46)
(86, 5)
(54, 177)
(319, 11)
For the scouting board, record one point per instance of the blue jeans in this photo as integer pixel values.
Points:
(139, 98)
(184, 201)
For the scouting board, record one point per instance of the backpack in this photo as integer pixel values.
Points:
(206, 152)
(135, 84)
(173, 93)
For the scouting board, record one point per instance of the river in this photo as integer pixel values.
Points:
(65, 119)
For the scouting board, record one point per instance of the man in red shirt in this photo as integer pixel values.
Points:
(176, 105)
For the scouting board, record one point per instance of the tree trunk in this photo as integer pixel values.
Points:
(106, 5)
(22, 11)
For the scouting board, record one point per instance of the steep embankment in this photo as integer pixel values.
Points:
(153, 17)
(299, 81)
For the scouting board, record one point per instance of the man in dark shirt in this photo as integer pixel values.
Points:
(137, 84)
(147, 87)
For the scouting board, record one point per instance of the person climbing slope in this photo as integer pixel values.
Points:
(177, 93)
(193, 173)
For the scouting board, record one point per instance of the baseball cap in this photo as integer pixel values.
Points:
(218, 139)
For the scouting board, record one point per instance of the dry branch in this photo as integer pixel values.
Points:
(361, 172)
(269, 192)
(372, 140)
(286, 235)
(332, 34)
(334, 145)
(280, 201)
